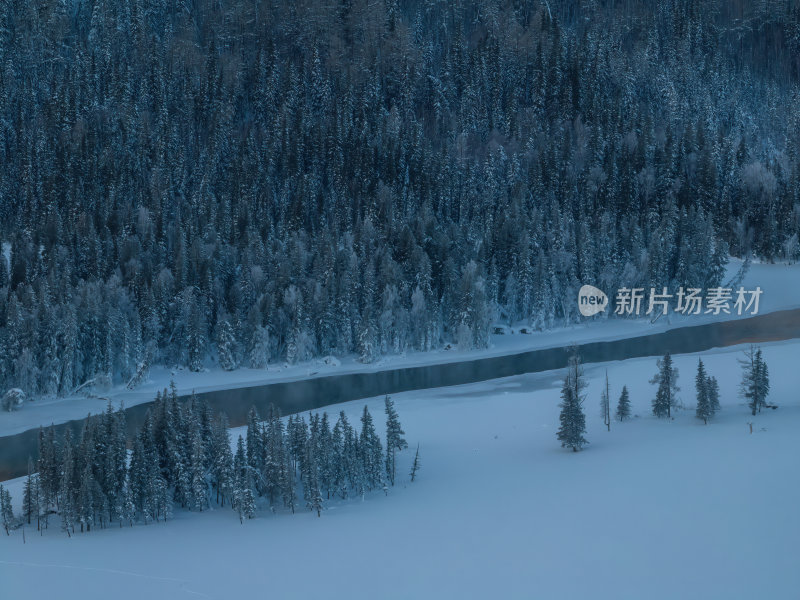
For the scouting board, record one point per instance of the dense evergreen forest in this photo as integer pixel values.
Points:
(182, 455)
(223, 182)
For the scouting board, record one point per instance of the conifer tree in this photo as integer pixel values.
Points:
(86, 499)
(755, 379)
(48, 469)
(311, 487)
(415, 466)
(394, 438)
(572, 420)
(356, 479)
(274, 459)
(199, 484)
(255, 450)
(337, 475)
(371, 452)
(298, 434)
(713, 396)
(138, 481)
(288, 490)
(30, 495)
(701, 385)
(624, 405)
(6, 511)
(222, 460)
(226, 345)
(68, 487)
(605, 404)
(243, 498)
(260, 353)
(667, 381)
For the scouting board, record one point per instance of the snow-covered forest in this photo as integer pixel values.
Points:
(183, 457)
(242, 182)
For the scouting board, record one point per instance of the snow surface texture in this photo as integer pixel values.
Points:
(654, 509)
(781, 290)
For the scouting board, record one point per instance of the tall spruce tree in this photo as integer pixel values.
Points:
(667, 381)
(31, 496)
(68, 487)
(572, 420)
(701, 386)
(415, 465)
(6, 511)
(605, 404)
(371, 452)
(394, 438)
(713, 396)
(222, 474)
(624, 405)
(755, 379)
(243, 497)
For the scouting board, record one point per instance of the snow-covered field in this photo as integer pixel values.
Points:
(781, 290)
(653, 509)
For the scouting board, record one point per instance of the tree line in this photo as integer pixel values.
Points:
(236, 184)
(754, 388)
(182, 457)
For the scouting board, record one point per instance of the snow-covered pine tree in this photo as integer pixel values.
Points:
(339, 459)
(142, 368)
(288, 490)
(255, 450)
(243, 499)
(605, 404)
(197, 474)
(175, 448)
(226, 344)
(415, 465)
(274, 460)
(155, 487)
(31, 496)
(116, 469)
(624, 405)
(316, 503)
(713, 396)
(394, 438)
(367, 343)
(371, 452)
(196, 330)
(755, 379)
(128, 510)
(159, 494)
(48, 469)
(6, 511)
(701, 386)
(325, 455)
(137, 481)
(297, 432)
(354, 465)
(572, 419)
(667, 381)
(86, 499)
(260, 351)
(311, 487)
(68, 486)
(222, 460)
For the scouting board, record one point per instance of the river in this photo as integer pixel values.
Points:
(317, 392)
